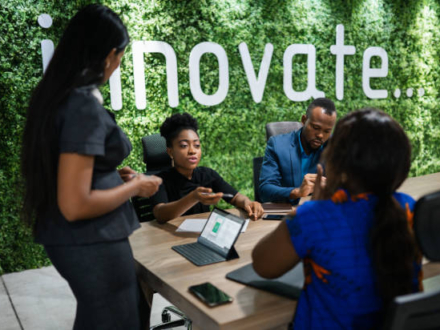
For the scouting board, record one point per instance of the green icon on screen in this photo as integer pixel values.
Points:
(216, 227)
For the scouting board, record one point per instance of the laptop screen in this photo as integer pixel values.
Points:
(222, 229)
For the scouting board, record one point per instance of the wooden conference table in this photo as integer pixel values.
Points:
(170, 274)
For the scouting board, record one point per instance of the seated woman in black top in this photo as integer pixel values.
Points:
(188, 189)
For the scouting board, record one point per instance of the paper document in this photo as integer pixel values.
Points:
(196, 226)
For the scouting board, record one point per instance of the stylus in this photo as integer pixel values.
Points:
(224, 195)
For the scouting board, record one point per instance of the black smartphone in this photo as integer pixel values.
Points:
(209, 294)
(273, 216)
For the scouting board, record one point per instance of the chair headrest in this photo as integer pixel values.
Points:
(155, 153)
(281, 127)
(427, 225)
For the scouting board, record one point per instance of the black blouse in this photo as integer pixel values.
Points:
(175, 186)
(85, 127)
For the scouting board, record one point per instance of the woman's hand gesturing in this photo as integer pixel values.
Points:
(127, 173)
(206, 196)
(147, 185)
(254, 210)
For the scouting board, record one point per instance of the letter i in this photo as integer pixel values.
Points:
(47, 47)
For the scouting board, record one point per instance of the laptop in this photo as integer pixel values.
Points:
(216, 241)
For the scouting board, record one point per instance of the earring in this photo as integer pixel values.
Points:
(107, 65)
(172, 162)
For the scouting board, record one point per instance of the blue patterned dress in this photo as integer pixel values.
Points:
(332, 238)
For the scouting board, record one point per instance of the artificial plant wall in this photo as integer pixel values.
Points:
(232, 132)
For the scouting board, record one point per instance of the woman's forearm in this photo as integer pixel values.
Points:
(77, 201)
(97, 202)
(266, 259)
(166, 211)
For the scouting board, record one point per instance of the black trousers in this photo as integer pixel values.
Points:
(103, 279)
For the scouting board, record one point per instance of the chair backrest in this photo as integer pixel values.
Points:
(427, 225)
(417, 311)
(256, 167)
(421, 310)
(281, 127)
(143, 208)
(155, 153)
(156, 159)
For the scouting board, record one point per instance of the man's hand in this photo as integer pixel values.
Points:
(308, 185)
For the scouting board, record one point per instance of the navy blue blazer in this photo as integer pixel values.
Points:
(281, 170)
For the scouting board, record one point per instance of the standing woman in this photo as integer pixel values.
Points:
(356, 240)
(74, 195)
(188, 188)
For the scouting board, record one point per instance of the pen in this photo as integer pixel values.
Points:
(224, 195)
(228, 195)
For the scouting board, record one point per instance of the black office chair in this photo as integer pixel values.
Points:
(281, 127)
(143, 208)
(168, 324)
(427, 225)
(257, 162)
(421, 311)
(156, 159)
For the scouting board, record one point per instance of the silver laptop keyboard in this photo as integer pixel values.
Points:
(198, 254)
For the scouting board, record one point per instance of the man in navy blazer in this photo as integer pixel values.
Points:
(289, 166)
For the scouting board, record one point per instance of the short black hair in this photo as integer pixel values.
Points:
(324, 103)
(175, 124)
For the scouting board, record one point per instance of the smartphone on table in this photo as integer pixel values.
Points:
(210, 294)
(273, 216)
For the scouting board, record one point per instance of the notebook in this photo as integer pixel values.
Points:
(288, 285)
(277, 207)
(216, 241)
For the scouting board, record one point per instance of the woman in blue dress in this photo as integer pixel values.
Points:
(355, 238)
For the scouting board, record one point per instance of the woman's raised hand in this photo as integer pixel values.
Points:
(147, 185)
(320, 182)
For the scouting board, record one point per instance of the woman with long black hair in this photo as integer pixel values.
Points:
(75, 198)
(355, 240)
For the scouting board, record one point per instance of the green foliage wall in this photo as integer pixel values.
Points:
(232, 132)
